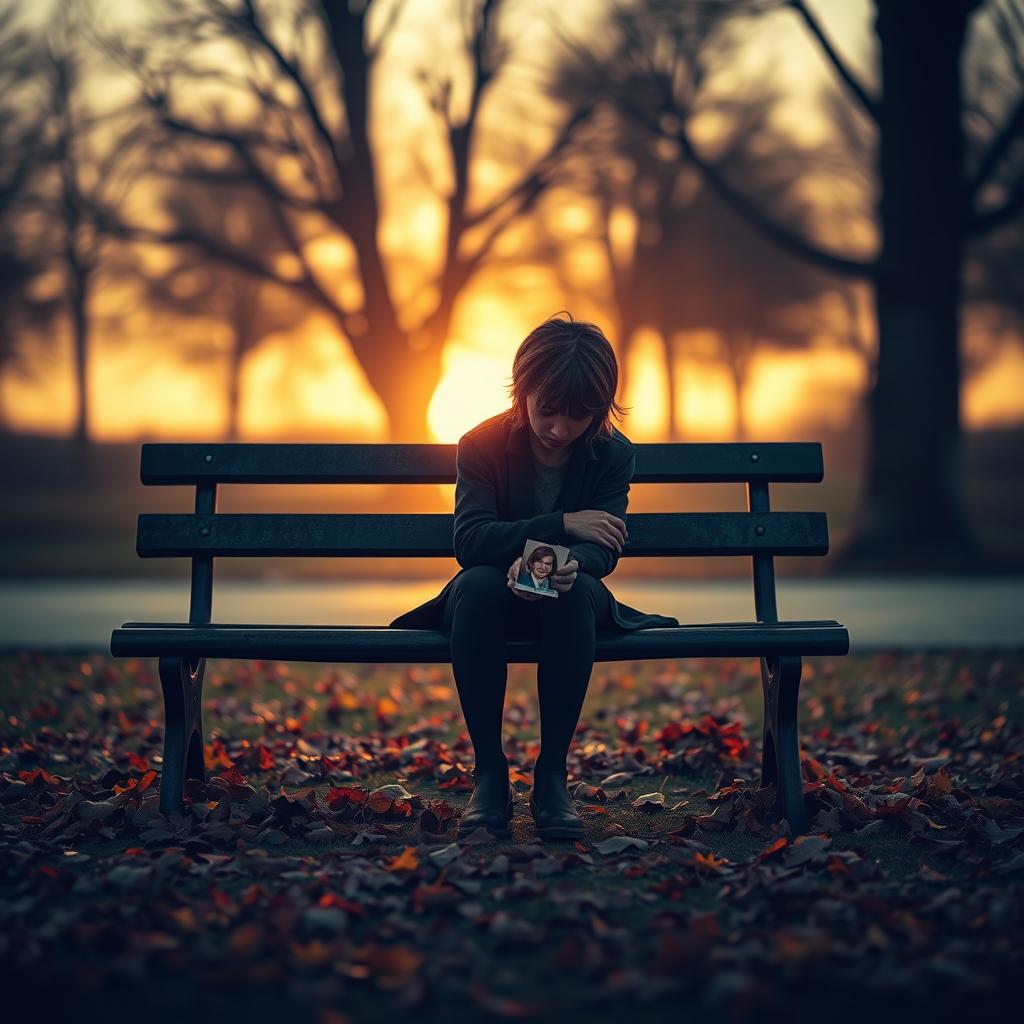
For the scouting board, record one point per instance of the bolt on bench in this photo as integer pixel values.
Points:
(182, 647)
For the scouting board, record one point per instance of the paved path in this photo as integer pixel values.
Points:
(880, 614)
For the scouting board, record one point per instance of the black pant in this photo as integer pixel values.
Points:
(480, 613)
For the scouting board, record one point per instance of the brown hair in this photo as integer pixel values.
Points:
(573, 367)
(539, 552)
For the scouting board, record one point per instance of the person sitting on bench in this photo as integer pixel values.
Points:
(554, 468)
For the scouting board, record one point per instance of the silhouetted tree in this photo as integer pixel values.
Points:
(931, 200)
(24, 314)
(248, 307)
(690, 263)
(292, 117)
(87, 169)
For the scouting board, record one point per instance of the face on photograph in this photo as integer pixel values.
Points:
(553, 428)
(543, 566)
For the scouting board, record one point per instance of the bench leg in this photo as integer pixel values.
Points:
(182, 683)
(780, 765)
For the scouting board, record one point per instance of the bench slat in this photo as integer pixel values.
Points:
(426, 535)
(360, 644)
(298, 625)
(712, 462)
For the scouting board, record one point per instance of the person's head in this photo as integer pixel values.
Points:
(541, 561)
(564, 377)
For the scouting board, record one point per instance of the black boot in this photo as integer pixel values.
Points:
(552, 807)
(490, 805)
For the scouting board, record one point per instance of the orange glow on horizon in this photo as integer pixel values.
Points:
(310, 383)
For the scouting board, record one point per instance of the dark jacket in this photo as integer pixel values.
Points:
(494, 510)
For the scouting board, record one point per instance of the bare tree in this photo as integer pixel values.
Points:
(931, 199)
(87, 169)
(691, 262)
(248, 308)
(24, 314)
(289, 112)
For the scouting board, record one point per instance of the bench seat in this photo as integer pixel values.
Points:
(381, 644)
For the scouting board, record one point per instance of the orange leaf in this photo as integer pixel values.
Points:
(771, 848)
(32, 776)
(332, 899)
(185, 919)
(405, 861)
(386, 706)
(246, 940)
(709, 861)
(216, 755)
(314, 954)
(379, 803)
(222, 900)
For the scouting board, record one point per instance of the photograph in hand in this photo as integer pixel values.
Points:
(539, 563)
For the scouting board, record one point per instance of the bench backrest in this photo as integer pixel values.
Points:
(205, 535)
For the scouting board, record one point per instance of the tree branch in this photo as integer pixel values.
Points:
(833, 262)
(212, 246)
(536, 176)
(870, 105)
(291, 72)
(997, 149)
(981, 222)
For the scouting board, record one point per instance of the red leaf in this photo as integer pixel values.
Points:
(344, 796)
(233, 777)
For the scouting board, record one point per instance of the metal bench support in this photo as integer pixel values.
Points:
(182, 683)
(780, 759)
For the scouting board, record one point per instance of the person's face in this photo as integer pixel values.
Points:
(554, 429)
(543, 567)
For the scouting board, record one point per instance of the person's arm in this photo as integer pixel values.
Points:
(612, 496)
(480, 538)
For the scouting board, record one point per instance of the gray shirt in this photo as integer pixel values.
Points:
(547, 482)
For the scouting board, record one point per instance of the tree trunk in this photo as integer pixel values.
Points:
(736, 364)
(628, 322)
(234, 383)
(5, 426)
(674, 394)
(79, 299)
(405, 379)
(912, 514)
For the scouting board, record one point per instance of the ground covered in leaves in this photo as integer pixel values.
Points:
(316, 874)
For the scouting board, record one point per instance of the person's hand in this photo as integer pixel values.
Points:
(597, 525)
(563, 579)
(513, 575)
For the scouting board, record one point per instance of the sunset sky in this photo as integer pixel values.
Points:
(307, 379)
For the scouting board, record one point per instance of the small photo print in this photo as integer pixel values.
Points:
(539, 563)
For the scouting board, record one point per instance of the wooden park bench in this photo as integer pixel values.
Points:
(182, 647)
